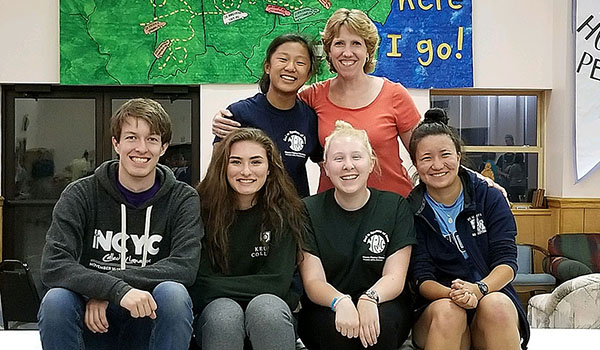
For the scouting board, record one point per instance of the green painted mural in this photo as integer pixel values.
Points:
(183, 41)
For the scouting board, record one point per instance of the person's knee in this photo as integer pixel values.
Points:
(222, 314)
(168, 290)
(443, 310)
(496, 310)
(173, 300)
(60, 305)
(266, 309)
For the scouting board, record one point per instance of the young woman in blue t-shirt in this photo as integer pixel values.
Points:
(466, 254)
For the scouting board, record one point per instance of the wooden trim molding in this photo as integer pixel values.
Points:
(573, 215)
(574, 203)
(531, 212)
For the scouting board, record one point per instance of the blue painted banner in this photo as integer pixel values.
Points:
(427, 44)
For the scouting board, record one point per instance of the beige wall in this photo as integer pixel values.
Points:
(560, 153)
(517, 44)
(29, 41)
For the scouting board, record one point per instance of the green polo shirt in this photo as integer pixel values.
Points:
(256, 266)
(354, 245)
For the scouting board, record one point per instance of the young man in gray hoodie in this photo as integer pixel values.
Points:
(123, 245)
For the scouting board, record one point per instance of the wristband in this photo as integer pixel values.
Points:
(336, 301)
(333, 304)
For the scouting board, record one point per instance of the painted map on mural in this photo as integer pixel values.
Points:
(129, 42)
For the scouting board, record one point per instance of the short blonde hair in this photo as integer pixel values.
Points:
(359, 23)
(342, 129)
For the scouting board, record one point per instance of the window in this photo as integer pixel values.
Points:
(503, 135)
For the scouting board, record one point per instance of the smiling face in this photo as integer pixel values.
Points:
(288, 68)
(348, 52)
(247, 171)
(139, 150)
(437, 162)
(348, 164)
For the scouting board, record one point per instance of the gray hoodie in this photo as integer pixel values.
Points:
(83, 251)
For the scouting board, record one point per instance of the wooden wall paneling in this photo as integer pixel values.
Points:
(591, 222)
(543, 231)
(555, 220)
(534, 226)
(571, 215)
(525, 228)
(571, 220)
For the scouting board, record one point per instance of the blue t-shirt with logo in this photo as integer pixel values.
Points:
(294, 131)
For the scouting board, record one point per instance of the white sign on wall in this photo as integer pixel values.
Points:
(587, 86)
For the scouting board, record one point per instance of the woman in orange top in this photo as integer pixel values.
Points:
(383, 108)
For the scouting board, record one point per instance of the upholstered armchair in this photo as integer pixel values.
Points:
(572, 255)
(573, 304)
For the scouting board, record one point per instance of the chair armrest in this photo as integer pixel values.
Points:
(589, 282)
(537, 247)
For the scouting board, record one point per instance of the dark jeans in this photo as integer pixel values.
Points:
(61, 322)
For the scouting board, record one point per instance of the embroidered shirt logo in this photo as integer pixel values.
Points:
(477, 224)
(296, 140)
(262, 250)
(265, 237)
(376, 240)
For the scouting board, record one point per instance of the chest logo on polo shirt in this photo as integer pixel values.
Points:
(376, 240)
(477, 224)
(296, 140)
(265, 237)
(263, 249)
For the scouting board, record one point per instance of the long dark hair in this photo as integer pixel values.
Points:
(435, 123)
(265, 81)
(282, 209)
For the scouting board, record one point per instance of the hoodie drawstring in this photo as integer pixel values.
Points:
(146, 235)
(124, 235)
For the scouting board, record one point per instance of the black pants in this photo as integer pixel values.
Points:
(316, 327)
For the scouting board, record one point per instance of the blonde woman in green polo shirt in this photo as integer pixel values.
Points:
(356, 254)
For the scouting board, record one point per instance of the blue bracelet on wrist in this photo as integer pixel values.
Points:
(333, 304)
